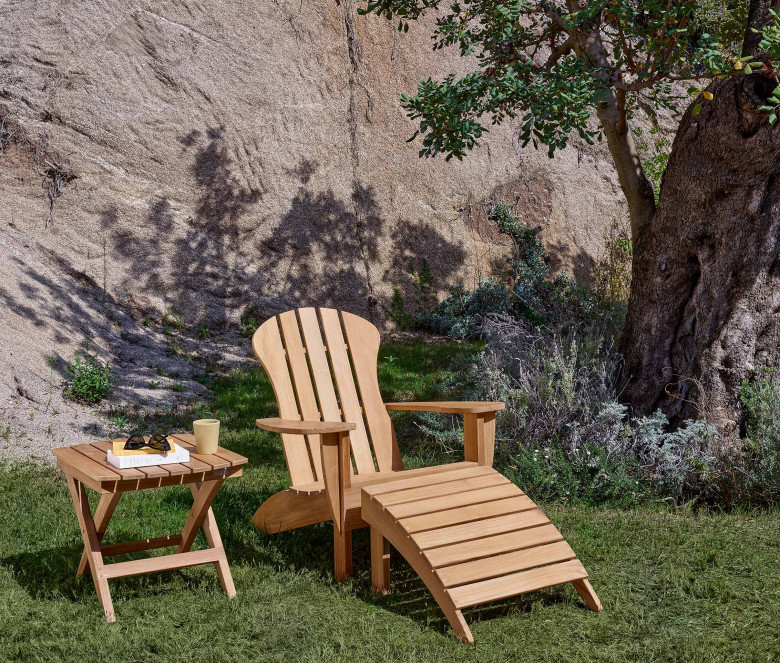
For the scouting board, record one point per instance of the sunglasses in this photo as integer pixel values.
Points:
(156, 442)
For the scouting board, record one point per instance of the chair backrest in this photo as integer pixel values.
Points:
(322, 364)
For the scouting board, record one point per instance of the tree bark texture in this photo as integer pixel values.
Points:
(758, 15)
(704, 312)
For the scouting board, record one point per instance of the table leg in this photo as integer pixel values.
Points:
(201, 514)
(103, 515)
(215, 541)
(204, 496)
(92, 545)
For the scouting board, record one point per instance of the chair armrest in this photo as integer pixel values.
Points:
(479, 424)
(453, 407)
(277, 425)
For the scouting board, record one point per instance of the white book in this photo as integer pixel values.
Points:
(179, 455)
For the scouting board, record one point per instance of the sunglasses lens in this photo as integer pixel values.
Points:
(159, 442)
(135, 442)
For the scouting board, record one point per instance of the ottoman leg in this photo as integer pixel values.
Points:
(380, 562)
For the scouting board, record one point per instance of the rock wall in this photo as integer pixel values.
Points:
(229, 152)
(233, 153)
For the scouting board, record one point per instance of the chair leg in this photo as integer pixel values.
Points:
(380, 562)
(342, 554)
(585, 590)
(458, 624)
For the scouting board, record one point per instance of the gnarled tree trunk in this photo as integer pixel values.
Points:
(704, 312)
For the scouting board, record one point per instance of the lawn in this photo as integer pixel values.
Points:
(676, 585)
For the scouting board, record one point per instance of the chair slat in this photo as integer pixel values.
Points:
(350, 405)
(299, 367)
(320, 370)
(363, 340)
(267, 345)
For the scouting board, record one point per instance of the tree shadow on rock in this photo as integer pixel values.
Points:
(413, 247)
(321, 251)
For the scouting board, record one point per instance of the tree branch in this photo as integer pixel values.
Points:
(633, 182)
(559, 51)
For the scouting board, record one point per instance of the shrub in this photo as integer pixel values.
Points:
(757, 464)
(91, 379)
(528, 293)
(563, 434)
(250, 320)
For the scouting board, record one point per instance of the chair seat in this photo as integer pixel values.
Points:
(472, 536)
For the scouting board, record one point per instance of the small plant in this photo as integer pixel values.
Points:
(91, 379)
(612, 273)
(118, 422)
(423, 293)
(397, 311)
(172, 319)
(250, 320)
(201, 378)
(202, 331)
(5, 432)
(154, 384)
(178, 387)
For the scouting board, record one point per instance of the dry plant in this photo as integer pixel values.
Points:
(56, 171)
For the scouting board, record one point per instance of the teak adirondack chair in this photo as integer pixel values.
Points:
(468, 532)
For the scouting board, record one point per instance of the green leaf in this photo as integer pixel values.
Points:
(772, 118)
(696, 110)
(748, 70)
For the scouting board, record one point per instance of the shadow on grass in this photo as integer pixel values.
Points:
(49, 574)
(410, 597)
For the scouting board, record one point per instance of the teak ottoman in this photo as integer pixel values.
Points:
(472, 536)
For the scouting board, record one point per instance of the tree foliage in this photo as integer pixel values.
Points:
(554, 63)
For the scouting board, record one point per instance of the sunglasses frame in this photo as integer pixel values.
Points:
(157, 442)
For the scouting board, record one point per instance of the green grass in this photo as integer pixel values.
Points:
(676, 585)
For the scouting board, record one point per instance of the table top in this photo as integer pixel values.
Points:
(88, 464)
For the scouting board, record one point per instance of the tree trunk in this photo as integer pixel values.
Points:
(704, 312)
(758, 15)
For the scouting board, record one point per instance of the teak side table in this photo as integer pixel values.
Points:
(86, 465)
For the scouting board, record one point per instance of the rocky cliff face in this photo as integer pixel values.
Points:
(203, 157)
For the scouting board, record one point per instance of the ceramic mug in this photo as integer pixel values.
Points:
(206, 435)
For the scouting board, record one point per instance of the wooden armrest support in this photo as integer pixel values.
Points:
(277, 425)
(336, 473)
(453, 407)
(334, 450)
(479, 424)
